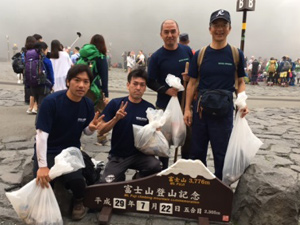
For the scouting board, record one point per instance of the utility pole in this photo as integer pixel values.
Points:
(244, 6)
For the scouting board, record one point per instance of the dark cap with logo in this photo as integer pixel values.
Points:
(220, 14)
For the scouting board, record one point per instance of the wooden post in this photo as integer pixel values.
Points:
(105, 215)
(182, 103)
(203, 221)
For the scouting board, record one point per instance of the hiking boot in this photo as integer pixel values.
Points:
(79, 210)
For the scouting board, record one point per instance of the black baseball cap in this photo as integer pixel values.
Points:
(184, 37)
(220, 14)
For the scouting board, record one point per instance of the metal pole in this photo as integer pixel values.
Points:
(8, 52)
(244, 25)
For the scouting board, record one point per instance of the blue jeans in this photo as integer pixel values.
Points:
(215, 130)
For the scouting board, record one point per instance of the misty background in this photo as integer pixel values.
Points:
(273, 29)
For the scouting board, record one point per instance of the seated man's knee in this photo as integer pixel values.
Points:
(153, 166)
(109, 178)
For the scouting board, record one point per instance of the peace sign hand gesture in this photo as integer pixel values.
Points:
(121, 113)
(96, 122)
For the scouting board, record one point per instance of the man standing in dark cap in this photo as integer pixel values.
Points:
(218, 72)
(184, 40)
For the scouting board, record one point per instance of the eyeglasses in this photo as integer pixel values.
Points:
(220, 25)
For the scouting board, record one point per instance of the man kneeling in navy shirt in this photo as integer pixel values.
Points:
(120, 115)
(62, 118)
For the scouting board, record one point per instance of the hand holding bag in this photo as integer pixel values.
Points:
(149, 139)
(37, 205)
(242, 146)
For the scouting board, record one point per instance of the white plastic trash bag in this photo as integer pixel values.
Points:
(37, 205)
(174, 128)
(242, 147)
(149, 139)
(174, 82)
(69, 160)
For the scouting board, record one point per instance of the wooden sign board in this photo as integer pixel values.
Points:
(186, 189)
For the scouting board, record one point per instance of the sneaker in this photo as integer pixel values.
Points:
(34, 111)
(79, 210)
(29, 111)
(19, 81)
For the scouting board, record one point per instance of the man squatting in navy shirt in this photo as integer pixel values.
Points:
(169, 59)
(62, 118)
(217, 72)
(120, 114)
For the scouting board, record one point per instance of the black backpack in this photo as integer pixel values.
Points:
(17, 63)
(90, 173)
(286, 66)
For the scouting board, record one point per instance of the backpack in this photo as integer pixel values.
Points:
(286, 66)
(88, 56)
(34, 73)
(17, 63)
(236, 59)
(90, 173)
(272, 66)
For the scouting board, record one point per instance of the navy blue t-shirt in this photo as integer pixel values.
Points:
(122, 141)
(64, 120)
(164, 62)
(217, 69)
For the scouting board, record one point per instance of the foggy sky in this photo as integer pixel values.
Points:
(273, 29)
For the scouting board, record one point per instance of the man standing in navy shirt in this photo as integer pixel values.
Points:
(169, 59)
(217, 73)
(120, 114)
(62, 118)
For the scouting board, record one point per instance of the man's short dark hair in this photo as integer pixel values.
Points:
(162, 24)
(37, 37)
(137, 73)
(77, 69)
(77, 48)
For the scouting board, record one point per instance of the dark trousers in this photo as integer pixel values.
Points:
(215, 130)
(73, 181)
(271, 77)
(117, 166)
(39, 93)
(27, 94)
(254, 78)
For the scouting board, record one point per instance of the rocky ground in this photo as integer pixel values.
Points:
(274, 118)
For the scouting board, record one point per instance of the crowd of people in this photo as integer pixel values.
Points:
(284, 72)
(132, 61)
(71, 92)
